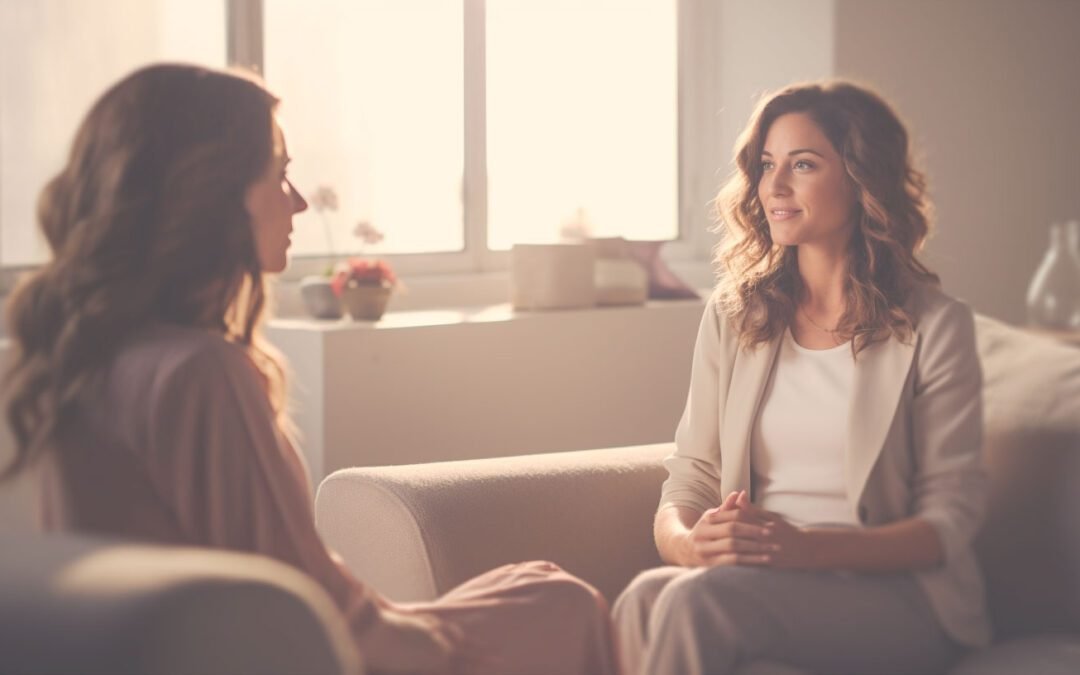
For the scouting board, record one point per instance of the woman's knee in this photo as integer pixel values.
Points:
(640, 594)
(710, 597)
(565, 590)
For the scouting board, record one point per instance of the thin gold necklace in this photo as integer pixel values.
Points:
(832, 331)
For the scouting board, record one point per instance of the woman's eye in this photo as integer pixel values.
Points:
(766, 165)
(804, 165)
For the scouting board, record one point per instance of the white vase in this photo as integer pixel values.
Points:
(319, 298)
(1053, 297)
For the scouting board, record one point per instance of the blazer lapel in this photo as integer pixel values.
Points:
(748, 378)
(880, 374)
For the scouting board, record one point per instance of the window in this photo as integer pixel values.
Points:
(457, 127)
(581, 119)
(373, 106)
(58, 57)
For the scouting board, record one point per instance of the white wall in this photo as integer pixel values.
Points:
(432, 386)
(991, 89)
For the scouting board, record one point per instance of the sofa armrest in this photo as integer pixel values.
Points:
(74, 604)
(414, 532)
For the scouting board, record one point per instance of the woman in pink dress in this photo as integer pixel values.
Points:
(142, 392)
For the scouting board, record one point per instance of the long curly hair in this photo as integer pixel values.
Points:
(760, 287)
(146, 223)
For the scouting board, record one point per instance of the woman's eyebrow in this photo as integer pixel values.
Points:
(796, 152)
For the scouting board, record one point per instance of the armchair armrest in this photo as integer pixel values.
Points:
(414, 532)
(77, 604)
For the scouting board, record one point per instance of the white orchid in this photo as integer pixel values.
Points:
(367, 233)
(324, 199)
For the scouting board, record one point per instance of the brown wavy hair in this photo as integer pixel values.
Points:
(146, 223)
(760, 287)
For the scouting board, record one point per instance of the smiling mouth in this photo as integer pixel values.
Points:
(784, 214)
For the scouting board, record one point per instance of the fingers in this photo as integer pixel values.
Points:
(756, 516)
(751, 559)
(729, 502)
(728, 545)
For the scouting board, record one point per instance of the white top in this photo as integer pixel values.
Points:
(798, 446)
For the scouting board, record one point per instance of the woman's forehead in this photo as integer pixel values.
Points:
(280, 149)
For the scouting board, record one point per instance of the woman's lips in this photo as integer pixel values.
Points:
(783, 214)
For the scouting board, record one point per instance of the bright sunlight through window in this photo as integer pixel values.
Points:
(581, 119)
(373, 107)
(59, 56)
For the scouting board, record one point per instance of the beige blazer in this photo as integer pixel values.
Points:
(914, 445)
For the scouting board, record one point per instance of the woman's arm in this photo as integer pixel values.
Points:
(235, 482)
(907, 545)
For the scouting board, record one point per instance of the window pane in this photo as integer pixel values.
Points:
(372, 106)
(58, 57)
(581, 117)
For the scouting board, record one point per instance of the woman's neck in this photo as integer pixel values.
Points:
(822, 274)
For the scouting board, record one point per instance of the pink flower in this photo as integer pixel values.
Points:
(362, 272)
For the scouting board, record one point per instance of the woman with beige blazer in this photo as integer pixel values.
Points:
(827, 479)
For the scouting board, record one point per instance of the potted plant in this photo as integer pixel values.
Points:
(325, 295)
(364, 287)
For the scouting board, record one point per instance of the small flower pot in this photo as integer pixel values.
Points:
(366, 302)
(319, 298)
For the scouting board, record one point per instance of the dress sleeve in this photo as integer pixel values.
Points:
(234, 480)
(951, 484)
(694, 468)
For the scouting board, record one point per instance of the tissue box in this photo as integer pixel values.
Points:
(552, 276)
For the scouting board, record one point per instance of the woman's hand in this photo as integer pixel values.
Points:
(406, 641)
(791, 547)
(729, 535)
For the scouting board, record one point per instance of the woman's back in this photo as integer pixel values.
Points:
(167, 439)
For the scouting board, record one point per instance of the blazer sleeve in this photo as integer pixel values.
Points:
(951, 483)
(233, 479)
(694, 467)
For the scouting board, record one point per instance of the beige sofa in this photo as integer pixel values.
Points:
(414, 532)
(71, 604)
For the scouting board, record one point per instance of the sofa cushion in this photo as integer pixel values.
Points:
(1029, 546)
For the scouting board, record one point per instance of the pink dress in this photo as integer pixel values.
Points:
(177, 444)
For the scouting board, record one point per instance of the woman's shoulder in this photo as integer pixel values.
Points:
(161, 354)
(939, 316)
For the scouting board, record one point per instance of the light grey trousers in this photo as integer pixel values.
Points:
(720, 620)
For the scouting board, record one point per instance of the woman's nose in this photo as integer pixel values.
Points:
(299, 203)
(777, 183)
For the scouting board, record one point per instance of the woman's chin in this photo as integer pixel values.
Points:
(782, 236)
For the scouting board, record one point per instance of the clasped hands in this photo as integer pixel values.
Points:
(739, 533)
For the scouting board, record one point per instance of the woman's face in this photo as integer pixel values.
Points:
(271, 201)
(804, 189)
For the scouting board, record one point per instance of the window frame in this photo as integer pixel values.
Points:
(698, 136)
(698, 118)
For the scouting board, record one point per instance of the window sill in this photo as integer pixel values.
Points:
(458, 292)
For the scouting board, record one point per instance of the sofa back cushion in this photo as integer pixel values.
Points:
(1029, 546)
